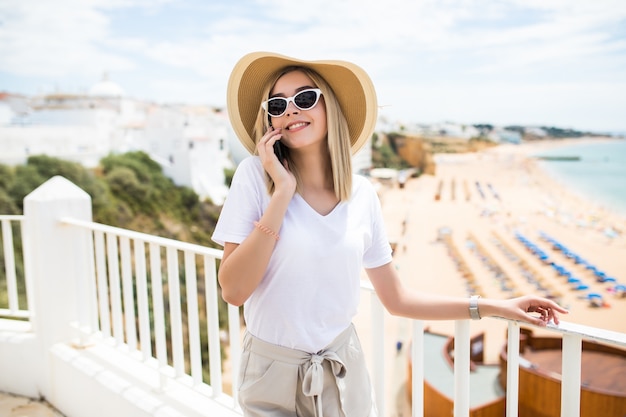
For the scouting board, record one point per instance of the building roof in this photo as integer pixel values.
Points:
(106, 88)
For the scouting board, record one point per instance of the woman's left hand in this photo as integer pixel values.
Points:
(532, 309)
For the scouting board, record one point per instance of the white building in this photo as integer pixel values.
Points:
(442, 129)
(192, 146)
(502, 135)
(76, 127)
(536, 131)
(191, 143)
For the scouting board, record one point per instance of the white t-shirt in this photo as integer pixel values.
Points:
(310, 291)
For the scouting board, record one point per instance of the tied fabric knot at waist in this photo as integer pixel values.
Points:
(311, 366)
(313, 380)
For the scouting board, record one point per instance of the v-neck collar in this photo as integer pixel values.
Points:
(317, 213)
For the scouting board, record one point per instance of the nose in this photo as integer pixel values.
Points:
(291, 108)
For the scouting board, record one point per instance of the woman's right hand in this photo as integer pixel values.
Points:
(243, 265)
(283, 178)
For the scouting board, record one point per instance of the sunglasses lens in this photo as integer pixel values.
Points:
(306, 99)
(276, 106)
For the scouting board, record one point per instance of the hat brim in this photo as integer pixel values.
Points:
(350, 83)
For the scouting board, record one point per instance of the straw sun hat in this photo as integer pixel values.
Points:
(351, 84)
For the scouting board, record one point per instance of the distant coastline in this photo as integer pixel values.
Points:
(558, 158)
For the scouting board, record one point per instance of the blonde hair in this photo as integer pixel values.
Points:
(338, 138)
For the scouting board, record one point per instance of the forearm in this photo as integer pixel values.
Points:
(244, 265)
(416, 305)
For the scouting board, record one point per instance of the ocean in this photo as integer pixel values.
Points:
(599, 175)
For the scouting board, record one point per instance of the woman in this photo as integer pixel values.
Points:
(297, 232)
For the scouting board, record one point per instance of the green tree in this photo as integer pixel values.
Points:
(6, 177)
(27, 178)
(126, 186)
(7, 204)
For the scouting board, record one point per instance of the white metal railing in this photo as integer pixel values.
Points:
(147, 290)
(571, 333)
(128, 286)
(13, 308)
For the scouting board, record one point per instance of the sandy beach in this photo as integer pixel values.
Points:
(517, 197)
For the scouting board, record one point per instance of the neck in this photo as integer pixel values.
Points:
(314, 170)
(316, 181)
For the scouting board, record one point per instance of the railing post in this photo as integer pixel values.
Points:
(213, 329)
(58, 264)
(378, 349)
(512, 370)
(234, 335)
(9, 263)
(417, 370)
(571, 375)
(461, 368)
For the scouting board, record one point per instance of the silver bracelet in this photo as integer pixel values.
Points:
(473, 307)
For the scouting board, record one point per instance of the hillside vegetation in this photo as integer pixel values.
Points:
(127, 190)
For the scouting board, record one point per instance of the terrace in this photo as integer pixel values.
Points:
(105, 321)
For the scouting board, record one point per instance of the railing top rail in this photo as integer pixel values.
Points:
(184, 246)
(564, 327)
(586, 332)
(11, 217)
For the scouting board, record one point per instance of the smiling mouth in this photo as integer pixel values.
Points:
(296, 125)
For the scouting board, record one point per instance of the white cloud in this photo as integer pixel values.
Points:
(54, 39)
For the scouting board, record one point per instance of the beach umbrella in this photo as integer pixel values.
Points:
(570, 254)
(562, 271)
(595, 299)
(583, 262)
(600, 276)
(582, 287)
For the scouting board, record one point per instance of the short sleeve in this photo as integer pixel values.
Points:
(244, 204)
(379, 251)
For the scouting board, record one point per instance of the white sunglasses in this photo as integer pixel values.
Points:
(303, 100)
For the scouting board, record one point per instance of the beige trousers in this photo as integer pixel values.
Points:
(276, 381)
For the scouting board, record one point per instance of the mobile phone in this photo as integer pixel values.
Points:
(280, 151)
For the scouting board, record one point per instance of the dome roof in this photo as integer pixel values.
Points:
(106, 88)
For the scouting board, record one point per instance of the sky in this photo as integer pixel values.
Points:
(505, 62)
